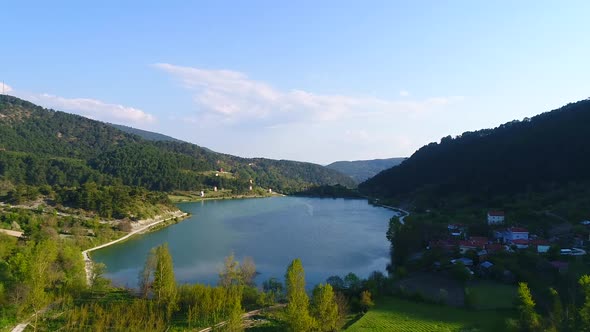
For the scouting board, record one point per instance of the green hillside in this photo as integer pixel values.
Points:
(544, 154)
(46, 147)
(361, 170)
(147, 135)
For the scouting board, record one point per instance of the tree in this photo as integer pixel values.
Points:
(164, 282)
(146, 274)
(366, 301)
(230, 274)
(41, 275)
(352, 282)
(336, 282)
(248, 271)
(297, 313)
(585, 309)
(274, 289)
(556, 314)
(529, 319)
(234, 321)
(324, 307)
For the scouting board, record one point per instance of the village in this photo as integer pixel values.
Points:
(475, 252)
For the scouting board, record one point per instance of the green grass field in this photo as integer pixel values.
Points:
(396, 315)
(492, 295)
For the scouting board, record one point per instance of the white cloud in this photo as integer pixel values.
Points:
(404, 93)
(5, 88)
(232, 96)
(94, 109)
(91, 108)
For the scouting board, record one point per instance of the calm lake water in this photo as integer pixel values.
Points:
(331, 236)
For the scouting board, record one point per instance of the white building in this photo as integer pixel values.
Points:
(495, 217)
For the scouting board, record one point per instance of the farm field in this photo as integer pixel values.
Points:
(397, 315)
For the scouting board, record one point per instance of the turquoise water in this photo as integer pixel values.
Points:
(330, 236)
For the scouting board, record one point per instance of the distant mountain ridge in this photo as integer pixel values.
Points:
(40, 147)
(361, 170)
(544, 153)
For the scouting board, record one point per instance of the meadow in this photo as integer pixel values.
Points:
(396, 315)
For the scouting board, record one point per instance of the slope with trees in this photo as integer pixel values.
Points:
(538, 154)
(45, 147)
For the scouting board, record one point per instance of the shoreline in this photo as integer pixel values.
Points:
(396, 209)
(86, 256)
(202, 199)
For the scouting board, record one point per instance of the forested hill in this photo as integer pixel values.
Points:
(45, 147)
(147, 135)
(361, 170)
(537, 154)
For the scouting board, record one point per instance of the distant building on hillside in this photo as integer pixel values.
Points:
(495, 217)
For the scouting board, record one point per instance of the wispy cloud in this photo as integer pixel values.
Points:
(233, 96)
(5, 88)
(91, 108)
(404, 93)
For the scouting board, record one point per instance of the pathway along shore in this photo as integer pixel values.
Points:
(88, 260)
(401, 218)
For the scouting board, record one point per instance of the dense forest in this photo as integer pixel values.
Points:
(539, 154)
(361, 170)
(46, 147)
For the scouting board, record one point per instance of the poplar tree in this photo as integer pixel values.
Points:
(297, 312)
(324, 308)
(585, 309)
(164, 283)
(529, 318)
(146, 274)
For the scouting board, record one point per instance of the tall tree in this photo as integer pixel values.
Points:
(298, 317)
(41, 275)
(248, 271)
(146, 274)
(529, 318)
(585, 309)
(164, 283)
(324, 307)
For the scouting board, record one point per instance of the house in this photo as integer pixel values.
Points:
(520, 243)
(495, 217)
(494, 247)
(486, 265)
(474, 243)
(515, 233)
(542, 246)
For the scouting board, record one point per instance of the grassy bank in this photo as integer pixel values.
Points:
(396, 315)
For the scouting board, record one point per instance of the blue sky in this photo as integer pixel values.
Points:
(305, 80)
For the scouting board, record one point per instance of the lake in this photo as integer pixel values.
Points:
(330, 236)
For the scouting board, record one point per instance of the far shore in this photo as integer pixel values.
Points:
(200, 199)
